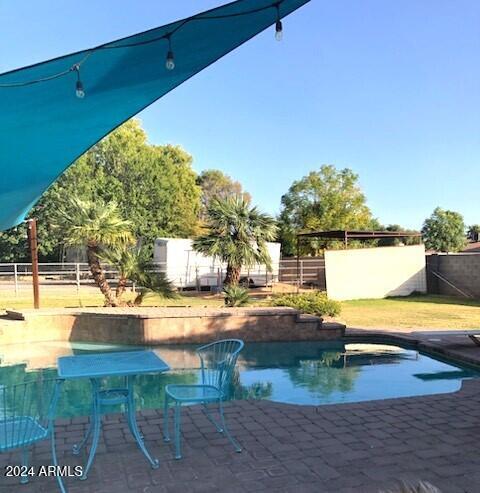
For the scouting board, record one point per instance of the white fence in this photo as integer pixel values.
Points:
(18, 276)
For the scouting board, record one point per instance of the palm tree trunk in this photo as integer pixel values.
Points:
(121, 286)
(99, 276)
(233, 275)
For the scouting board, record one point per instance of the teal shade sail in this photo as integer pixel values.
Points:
(44, 124)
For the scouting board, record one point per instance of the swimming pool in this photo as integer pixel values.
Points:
(299, 372)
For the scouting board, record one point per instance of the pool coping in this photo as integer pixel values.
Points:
(445, 345)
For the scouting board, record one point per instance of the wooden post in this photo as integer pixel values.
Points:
(32, 239)
(15, 276)
(197, 280)
(77, 276)
(298, 264)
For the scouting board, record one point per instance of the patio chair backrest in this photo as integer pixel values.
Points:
(218, 361)
(27, 411)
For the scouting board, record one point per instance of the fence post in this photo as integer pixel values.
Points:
(197, 280)
(77, 276)
(15, 277)
(301, 273)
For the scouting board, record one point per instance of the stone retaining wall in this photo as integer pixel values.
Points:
(152, 326)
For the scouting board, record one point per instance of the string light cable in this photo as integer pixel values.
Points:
(170, 59)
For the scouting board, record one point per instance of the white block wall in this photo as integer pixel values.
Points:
(375, 272)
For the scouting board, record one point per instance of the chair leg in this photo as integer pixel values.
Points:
(25, 457)
(225, 429)
(166, 432)
(210, 418)
(55, 462)
(178, 453)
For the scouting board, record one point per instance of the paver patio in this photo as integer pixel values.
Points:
(336, 448)
(343, 448)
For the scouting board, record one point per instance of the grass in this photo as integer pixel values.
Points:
(60, 298)
(423, 311)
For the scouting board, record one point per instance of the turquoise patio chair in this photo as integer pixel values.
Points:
(217, 364)
(27, 413)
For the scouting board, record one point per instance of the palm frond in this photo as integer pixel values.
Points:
(237, 233)
(93, 222)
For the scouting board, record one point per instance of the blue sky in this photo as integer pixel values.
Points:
(389, 89)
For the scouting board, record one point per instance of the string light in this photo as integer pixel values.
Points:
(278, 25)
(170, 61)
(79, 89)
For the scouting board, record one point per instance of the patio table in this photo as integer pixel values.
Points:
(126, 364)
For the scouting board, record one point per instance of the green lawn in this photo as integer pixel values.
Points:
(426, 311)
(59, 298)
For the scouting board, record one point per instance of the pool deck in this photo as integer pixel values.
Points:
(345, 448)
(349, 448)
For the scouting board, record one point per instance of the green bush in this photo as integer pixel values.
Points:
(314, 303)
(235, 295)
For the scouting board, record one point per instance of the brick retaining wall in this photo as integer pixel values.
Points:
(152, 326)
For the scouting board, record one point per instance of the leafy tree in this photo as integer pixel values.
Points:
(216, 184)
(323, 200)
(237, 234)
(95, 225)
(408, 240)
(14, 245)
(444, 231)
(154, 187)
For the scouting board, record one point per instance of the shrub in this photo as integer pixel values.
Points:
(235, 295)
(314, 303)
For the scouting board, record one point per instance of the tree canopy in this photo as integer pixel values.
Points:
(154, 187)
(217, 185)
(408, 240)
(444, 231)
(326, 199)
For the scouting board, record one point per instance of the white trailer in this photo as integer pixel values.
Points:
(186, 268)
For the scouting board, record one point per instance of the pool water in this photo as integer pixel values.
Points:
(300, 372)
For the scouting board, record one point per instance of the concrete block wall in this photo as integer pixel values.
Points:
(461, 269)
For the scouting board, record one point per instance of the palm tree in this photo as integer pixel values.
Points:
(237, 235)
(135, 264)
(96, 225)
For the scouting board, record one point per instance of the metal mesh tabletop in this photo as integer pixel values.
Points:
(110, 364)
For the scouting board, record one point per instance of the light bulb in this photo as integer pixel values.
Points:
(279, 31)
(170, 62)
(79, 90)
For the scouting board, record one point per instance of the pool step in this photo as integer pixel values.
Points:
(304, 318)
